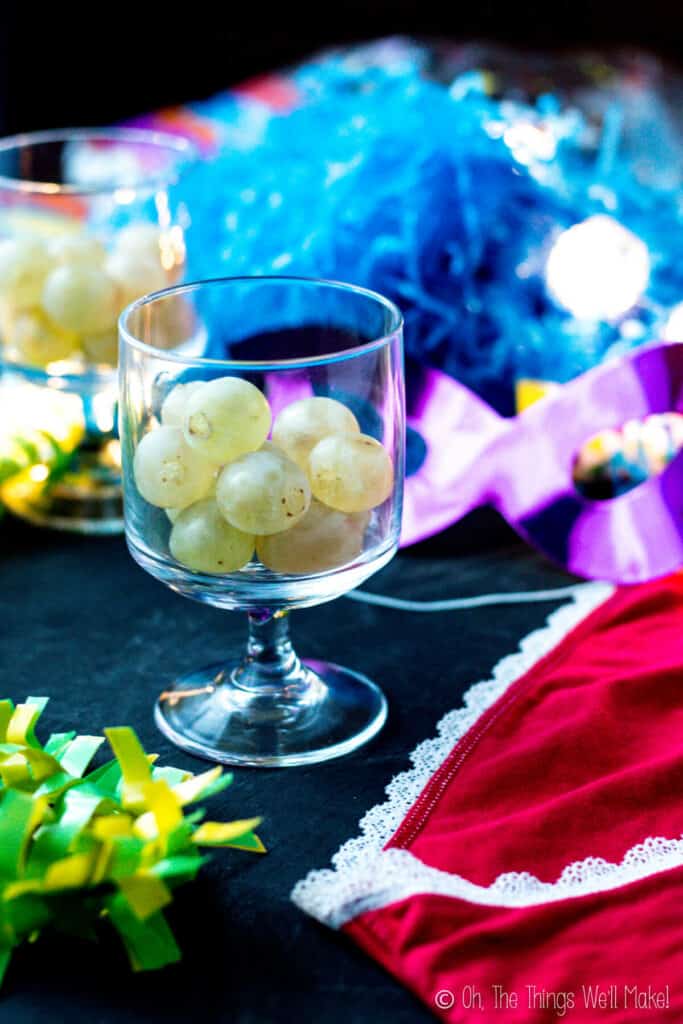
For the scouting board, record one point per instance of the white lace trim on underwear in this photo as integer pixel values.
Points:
(335, 897)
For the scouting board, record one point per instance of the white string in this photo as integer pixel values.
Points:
(460, 603)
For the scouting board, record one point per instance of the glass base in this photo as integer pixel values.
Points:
(84, 499)
(325, 711)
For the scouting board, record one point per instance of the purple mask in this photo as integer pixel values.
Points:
(523, 467)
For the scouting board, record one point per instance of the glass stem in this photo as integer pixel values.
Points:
(271, 664)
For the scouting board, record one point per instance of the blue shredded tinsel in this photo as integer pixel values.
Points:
(383, 178)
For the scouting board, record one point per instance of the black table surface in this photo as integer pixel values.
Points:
(82, 624)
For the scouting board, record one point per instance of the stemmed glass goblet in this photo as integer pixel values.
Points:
(263, 471)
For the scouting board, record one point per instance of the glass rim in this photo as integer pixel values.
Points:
(298, 362)
(179, 144)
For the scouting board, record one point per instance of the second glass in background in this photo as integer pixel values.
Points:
(88, 223)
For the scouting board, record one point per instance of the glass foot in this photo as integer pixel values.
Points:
(321, 711)
(85, 498)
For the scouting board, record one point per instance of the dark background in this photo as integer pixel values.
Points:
(83, 624)
(99, 63)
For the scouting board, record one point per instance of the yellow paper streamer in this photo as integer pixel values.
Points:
(215, 833)
(145, 894)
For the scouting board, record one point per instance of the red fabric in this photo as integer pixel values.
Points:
(582, 757)
(446, 949)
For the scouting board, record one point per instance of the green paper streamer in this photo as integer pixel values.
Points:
(5, 957)
(58, 742)
(79, 754)
(181, 866)
(149, 944)
(79, 846)
(18, 813)
(171, 775)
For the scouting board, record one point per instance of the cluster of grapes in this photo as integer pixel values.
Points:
(302, 499)
(61, 298)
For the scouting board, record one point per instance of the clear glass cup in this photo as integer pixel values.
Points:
(325, 360)
(88, 223)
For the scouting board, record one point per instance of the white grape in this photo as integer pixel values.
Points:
(140, 240)
(323, 539)
(299, 427)
(167, 472)
(226, 418)
(350, 472)
(7, 316)
(135, 275)
(263, 492)
(76, 248)
(203, 541)
(173, 409)
(80, 298)
(102, 347)
(32, 339)
(24, 265)
(173, 513)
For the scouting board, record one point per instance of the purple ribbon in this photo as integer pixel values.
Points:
(523, 467)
